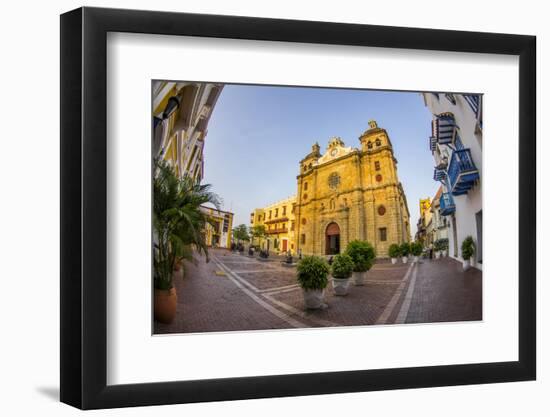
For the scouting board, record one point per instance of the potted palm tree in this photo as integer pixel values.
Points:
(312, 274)
(342, 268)
(362, 255)
(416, 250)
(404, 251)
(468, 248)
(394, 252)
(178, 225)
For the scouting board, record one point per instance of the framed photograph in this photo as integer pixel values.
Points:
(257, 208)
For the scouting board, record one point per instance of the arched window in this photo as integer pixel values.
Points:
(305, 186)
(332, 204)
(378, 142)
(369, 144)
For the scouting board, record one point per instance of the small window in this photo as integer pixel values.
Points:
(377, 165)
(305, 186)
(303, 239)
(378, 177)
(304, 221)
(293, 208)
(369, 145)
(381, 210)
(305, 197)
(284, 210)
(260, 218)
(292, 226)
(276, 212)
(270, 214)
(383, 234)
(378, 142)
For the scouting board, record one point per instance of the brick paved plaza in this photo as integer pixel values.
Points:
(237, 292)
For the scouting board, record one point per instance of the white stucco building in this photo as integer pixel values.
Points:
(456, 145)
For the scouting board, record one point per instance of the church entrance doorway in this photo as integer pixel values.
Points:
(332, 239)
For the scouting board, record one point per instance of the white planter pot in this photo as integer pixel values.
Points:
(404, 259)
(415, 259)
(437, 255)
(394, 260)
(340, 285)
(444, 254)
(465, 264)
(313, 299)
(359, 278)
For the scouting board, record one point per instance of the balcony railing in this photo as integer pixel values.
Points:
(439, 174)
(446, 204)
(462, 172)
(277, 231)
(444, 129)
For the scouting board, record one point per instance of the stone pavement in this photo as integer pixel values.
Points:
(237, 292)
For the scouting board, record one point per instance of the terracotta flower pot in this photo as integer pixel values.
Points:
(165, 305)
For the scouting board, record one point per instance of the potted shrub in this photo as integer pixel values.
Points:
(177, 225)
(312, 274)
(362, 254)
(394, 252)
(437, 248)
(468, 249)
(416, 250)
(444, 246)
(342, 268)
(404, 251)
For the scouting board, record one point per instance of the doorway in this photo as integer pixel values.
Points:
(332, 239)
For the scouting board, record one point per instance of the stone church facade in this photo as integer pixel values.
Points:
(351, 193)
(345, 194)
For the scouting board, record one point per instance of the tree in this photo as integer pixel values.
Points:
(240, 233)
(178, 221)
(258, 232)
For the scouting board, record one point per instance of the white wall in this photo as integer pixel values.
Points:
(29, 267)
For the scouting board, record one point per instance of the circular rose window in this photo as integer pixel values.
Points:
(304, 221)
(381, 210)
(378, 177)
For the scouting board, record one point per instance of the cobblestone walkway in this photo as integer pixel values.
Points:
(237, 292)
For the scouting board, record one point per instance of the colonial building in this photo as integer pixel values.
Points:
(181, 112)
(280, 224)
(424, 221)
(219, 227)
(456, 145)
(351, 193)
(438, 224)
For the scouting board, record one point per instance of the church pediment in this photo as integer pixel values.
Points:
(336, 148)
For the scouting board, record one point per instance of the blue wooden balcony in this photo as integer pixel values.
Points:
(444, 128)
(440, 174)
(446, 204)
(462, 172)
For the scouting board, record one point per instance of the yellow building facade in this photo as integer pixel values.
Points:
(181, 112)
(345, 194)
(280, 224)
(219, 227)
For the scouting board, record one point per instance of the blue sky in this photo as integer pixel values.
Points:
(258, 134)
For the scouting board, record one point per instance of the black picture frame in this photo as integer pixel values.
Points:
(84, 207)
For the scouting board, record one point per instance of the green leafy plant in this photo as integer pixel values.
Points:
(178, 221)
(394, 250)
(362, 254)
(416, 248)
(468, 248)
(312, 273)
(240, 233)
(444, 243)
(342, 266)
(258, 232)
(405, 249)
